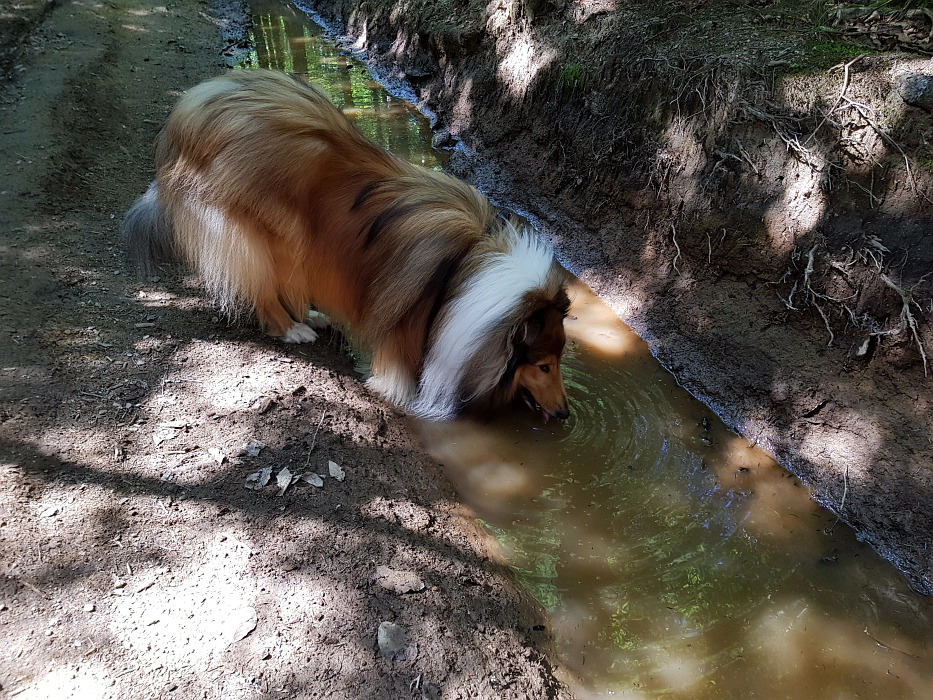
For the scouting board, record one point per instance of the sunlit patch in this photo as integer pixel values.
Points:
(582, 10)
(799, 210)
(236, 385)
(524, 60)
(85, 681)
(134, 28)
(594, 324)
(833, 447)
(179, 622)
(145, 13)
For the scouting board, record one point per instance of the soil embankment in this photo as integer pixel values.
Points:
(748, 190)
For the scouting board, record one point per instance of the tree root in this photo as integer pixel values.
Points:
(908, 320)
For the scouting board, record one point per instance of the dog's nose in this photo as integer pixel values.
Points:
(563, 413)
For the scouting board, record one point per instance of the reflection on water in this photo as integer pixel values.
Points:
(284, 38)
(675, 560)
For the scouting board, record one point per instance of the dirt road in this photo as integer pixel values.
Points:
(134, 563)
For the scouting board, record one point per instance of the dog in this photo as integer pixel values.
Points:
(279, 203)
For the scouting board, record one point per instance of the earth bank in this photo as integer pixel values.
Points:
(134, 562)
(747, 189)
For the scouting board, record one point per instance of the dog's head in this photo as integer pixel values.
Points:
(537, 349)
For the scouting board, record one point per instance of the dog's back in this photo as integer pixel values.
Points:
(278, 202)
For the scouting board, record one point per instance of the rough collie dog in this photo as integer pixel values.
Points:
(278, 202)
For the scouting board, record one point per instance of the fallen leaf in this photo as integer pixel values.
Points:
(336, 471)
(284, 480)
(258, 480)
(313, 479)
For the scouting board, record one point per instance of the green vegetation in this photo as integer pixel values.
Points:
(572, 78)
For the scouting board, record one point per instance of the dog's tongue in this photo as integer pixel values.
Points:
(545, 414)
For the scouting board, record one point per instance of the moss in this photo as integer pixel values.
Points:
(821, 55)
(572, 78)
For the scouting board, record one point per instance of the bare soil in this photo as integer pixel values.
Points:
(746, 187)
(134, 562)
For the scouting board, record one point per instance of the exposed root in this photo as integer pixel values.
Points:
(676, 257)
(908, 320)
(812, 298)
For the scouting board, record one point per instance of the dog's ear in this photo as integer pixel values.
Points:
(527, 332)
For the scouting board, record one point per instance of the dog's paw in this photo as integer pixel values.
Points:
(316, 319)
(300, 333)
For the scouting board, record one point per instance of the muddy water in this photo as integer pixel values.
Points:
(674, 560)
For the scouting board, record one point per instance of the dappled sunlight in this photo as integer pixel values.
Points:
(88, 680)
(800, 208)
(195, 612)
(523, 57)
(582, 10)
(244, 378)
(856, 453)
(597, 326)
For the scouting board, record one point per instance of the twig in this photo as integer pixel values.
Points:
(845, 86)
(845, 492)
(314, 439)
(825, 321)
(33, 588)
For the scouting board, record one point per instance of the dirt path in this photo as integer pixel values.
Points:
(133, 562)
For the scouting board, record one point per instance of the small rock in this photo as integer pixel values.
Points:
(49, 512)
(392, 638)
(263, 405)
(252, 449)
(284, 479)
(90, 607)
(240, 623)
(216, 455)
(916, 89)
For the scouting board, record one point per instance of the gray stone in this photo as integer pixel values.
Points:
(916, 89)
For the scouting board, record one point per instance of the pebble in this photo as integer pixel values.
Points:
(392, 638)
(916, 89)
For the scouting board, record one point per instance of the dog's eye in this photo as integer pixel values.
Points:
(545, 368)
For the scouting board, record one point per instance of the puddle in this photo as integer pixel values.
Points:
(674, 559)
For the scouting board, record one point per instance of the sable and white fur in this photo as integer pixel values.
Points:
(279, 202)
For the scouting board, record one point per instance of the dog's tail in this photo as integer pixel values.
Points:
(147, 233)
